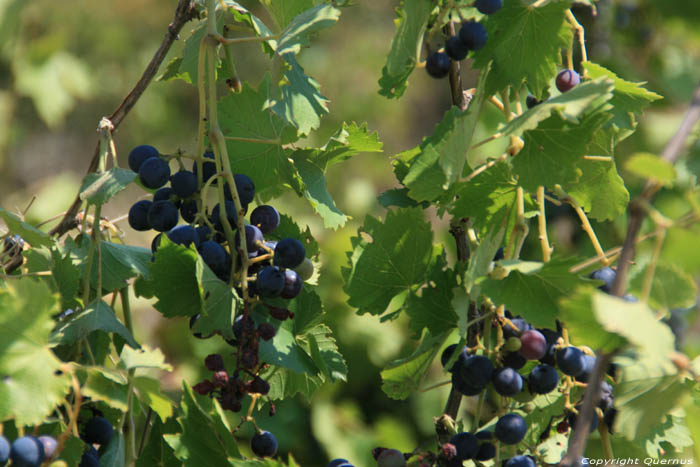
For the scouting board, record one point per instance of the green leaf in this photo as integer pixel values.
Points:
(431, 307)
(284, 351)
(693, 421)
(296, 34)
(393, 261)
(533, 289)
(648, 390)
(647, 165)
(220, 304)
(107, 386)
(283, 11)
(112, 455)
(301, 103)
(412, 19)
(316, 192)
(671, 287)
(481, 259)
(514, 31)
(97, 316)
(554, 150)
(350, 139)
(324, 352)
(172, 71)
(144, 357)
(600, 190)
(570, 105)
(635, 323)
(628, 98)
(206, 437)
(190, 56)
(100, 188)
(29, 233)
(581, 316)
(402, 377)
(247, 115)
(308, 311)
(30, 389)
(174, 280)
(149, 392)
(157, 452)
(398, 197)
(487, 199)
(67, 277)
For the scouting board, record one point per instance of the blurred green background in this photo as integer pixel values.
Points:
(64, 65)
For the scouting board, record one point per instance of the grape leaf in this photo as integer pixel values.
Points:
(628, 98)
(395, 260)
(157, 452)
(533, 289)
(398, 197)
(296, 34)
(97, 316)
(289, 228)
(107, 386)
(174, 280)
(649, 389)
(647, 165)
(220, 303)
(600, 190)
(29, 233)
(206, 437)
(29, 388)
(320, 345)
(671, 287)
(149, 392)
(187, 70)
(113, 454)
(553, 151)
(284, 351)
(487, 199)
(412, 19)
(402, 377)
(349, 140)
(569, 105)
(514, 31)
(67, 277)
(144, 357)
(308, 311)
(247, 115)
(100, 188)
(301, 103)
(284, 11)
(432, 307)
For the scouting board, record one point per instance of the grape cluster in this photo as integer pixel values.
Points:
(276, 268)
(339, 462)
(97, 430)
(471, 374)
(472, 36)
(27, 451)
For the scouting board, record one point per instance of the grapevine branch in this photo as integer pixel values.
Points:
(184, 12)
(637, 215)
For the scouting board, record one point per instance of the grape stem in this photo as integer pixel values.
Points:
(580, 33)
(542, 224)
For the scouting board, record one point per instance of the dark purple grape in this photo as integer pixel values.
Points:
(607, 275)
(27, 451)
(520, 461)
(507, 382)
(292, 284)
(588, 364)
(140, 154)
(487, 451)
(570, 361)
(264, 444)
(519, 323)
(438, 64)
(266, 218)
(543, 379)
(163, 216)
(270, 281)
(463, 387)
(245, 188)
(98, 430)
(154, 172)
(534, 345)
(166, 194)
(188, 210)
(217, 258)
(488, 7)
(337, 462)
(208, 168)
(477, 370)
(514, 360)
(473, 35)
(466, 444)
(4, 450)
(510, 429)
(572, 418)
(531, 101)
(204, 232)
(567, 80)
(184, 235)
(289, 253)
(184, 183)
(456, 49)
(138, 215)
(231, 215)
(253, 236)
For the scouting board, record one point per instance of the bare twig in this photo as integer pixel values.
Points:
(183, 13)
